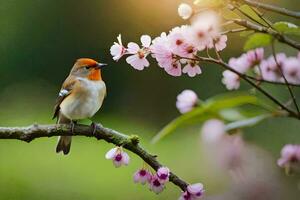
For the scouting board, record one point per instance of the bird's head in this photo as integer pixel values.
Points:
(87, 68)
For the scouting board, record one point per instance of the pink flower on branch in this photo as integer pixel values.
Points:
(138, 59)
(192, 69)
(193, 192)
(163, 174)
(117, 50)
(231, 80)
(156, 185)
(220, 42)
(255, 56)
(118, 156)
(142, 176)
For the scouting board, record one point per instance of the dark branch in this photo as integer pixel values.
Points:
(131, 143)
(262, 29)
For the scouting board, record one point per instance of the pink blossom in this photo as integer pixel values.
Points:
(156, 185)
(179, 39)
(186, 101)
(220, 42)
(192, 69)
(193, 192)
(163, 174)
(142, 176)
(117, 50)
(255, 56)
(291, 70)
(161, 51)
(231, 80)
(196, 190)
(213, 130)
(118, 156)
(289, 154)
(270, 70)
(174, 69)
(138, 59)
(240, 64)
(205, 27)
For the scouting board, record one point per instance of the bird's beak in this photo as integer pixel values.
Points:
(100, 65)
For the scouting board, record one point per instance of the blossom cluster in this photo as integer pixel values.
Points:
(274, 68)
(176, 51)
(157, 180)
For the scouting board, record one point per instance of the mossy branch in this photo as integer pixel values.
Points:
(130, 143)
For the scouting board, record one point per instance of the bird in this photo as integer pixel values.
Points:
(80, 97)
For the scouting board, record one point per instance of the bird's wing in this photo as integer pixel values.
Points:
(65, 91)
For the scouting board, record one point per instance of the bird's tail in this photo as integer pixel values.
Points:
(64, 142)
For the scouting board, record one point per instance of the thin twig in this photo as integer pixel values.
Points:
(262, 29)
(284, 78)
(131, 143)
(273, 8)
(237, 30)
(245, 77)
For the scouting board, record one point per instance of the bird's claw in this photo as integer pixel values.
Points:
(94, 127)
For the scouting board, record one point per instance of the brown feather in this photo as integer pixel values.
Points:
(67, 85)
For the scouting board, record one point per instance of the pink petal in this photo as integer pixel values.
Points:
(146, 40)
(195, 188)
(133, 48)
(111, 153)
(125, 158)
(136, 62)
(117, 164)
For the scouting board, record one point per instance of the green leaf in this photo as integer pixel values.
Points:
(210, 108)
(247, 122)
(249, 11)
(257, 40)
(287, 28)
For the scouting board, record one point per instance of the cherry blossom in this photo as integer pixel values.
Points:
(118, 156)
(289, 154)
(156, 185)
(117, 50)
(142, 176)
(193, 192)
(186, 101)
(192, 69)
(163, 174)
(231, 80)
(291, 69)
(220, 42)
(255, 56)
(138, 59)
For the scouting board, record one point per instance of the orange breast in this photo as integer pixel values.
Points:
(95, 75)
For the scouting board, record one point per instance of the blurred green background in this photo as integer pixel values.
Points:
(39, 42)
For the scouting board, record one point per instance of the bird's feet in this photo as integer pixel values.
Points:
(94, 127)
(72, 124)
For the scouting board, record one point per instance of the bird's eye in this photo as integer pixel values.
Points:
(87, 67)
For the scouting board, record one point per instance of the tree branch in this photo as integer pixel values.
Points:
(223, 64)
(262, 29)
(130, 143)
(272, 8)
